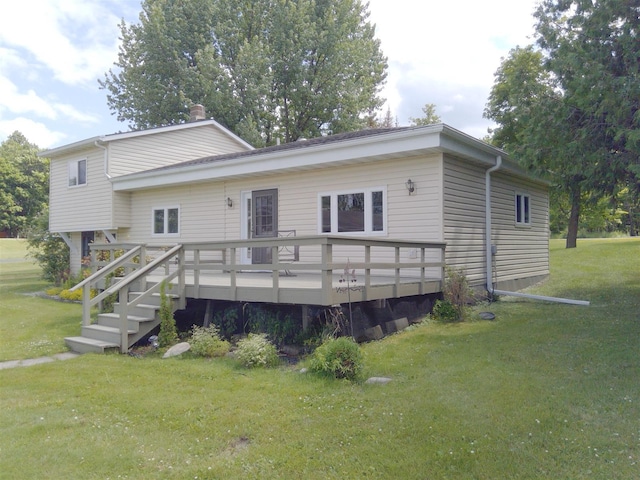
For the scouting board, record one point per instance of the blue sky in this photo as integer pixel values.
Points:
(52, 53)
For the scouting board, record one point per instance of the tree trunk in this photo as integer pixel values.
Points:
(574, 216)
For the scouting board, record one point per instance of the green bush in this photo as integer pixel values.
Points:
(168, 331)
(338, 357)
(444, 311)
(457, 292)
(206, 342)
(257, 351)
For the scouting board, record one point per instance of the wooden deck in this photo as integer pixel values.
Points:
(303, 288)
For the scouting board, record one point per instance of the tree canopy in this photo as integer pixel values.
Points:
(24, 184)
(430, 116)
(569, 107)
(265, 69)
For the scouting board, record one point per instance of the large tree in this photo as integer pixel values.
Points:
(569, 110)
(266, 69)
(24, 184)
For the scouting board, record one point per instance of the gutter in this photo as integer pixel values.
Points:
(490, 252)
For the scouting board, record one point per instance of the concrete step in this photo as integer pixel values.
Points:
(89, 345)
(104, 333)
(133, 323)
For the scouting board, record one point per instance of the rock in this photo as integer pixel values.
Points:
(397, 325)
(304, 370)
(374, 333)
(177, 349)
(378, 380)
(487, 316)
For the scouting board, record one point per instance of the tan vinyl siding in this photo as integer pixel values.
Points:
(204, 215)
(80, 208)
(464, 218)
(523, 251)
(151, 151)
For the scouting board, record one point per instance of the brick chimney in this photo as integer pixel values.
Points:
(196, 113)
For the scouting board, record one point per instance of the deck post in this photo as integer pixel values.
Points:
(233, 294)
(275, 272)
(422, 270)
(182, 303)
(305, 317)
(86, 305)
(196, 271)
(396, 288)
(142, 264)
(327, 271)
(123, 300)
(367, 271)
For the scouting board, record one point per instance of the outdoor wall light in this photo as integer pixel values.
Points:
(229, 202)
(410, 186)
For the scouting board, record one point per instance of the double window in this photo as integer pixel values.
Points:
(358, 211)
(78, 172)
(523, 209)
(166, 221)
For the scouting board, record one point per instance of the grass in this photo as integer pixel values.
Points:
(544, 391)
(30, 326)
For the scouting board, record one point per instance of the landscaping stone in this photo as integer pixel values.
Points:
(177, 349)
(397, 325)
(373, 333)
(378, 380)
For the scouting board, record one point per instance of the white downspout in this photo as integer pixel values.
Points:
(487, 220)
(106, 158)
(489, 252)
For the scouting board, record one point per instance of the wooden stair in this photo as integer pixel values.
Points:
(104, 335)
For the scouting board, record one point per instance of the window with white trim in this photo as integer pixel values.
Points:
(78, 172)
(166, 221)
(523, 209)
(357, 211)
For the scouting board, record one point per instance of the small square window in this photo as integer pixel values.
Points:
(523, 209)
(77, 173)
(166, 221)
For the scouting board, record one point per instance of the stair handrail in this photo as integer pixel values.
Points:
(135, 275)
(103, 272)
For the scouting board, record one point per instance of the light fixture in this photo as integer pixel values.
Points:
(410, 186)
(229, 202)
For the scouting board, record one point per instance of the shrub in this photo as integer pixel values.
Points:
(457, 292)
(257, 351)
(168, 331)
(338, 357)
(444, 311)
(206, 342)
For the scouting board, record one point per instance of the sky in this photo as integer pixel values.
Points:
(52, 53)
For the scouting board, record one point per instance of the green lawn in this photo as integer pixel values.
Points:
(545, 391)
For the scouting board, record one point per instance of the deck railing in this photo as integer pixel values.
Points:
(326, 256)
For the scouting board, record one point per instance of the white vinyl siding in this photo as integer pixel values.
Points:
(205, 216)
(73, 209)
(521, 253)
(141, 153)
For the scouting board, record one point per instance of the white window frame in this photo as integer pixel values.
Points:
(368, 211)
(73, 172)
(522, 209)
(165, 226)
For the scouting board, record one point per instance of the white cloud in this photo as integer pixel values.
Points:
(35, 132)
(446, 53)
(74, 39)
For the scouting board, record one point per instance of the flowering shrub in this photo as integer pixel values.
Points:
(257, 351)
(206, 342)
(338, 357)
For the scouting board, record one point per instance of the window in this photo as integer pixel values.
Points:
(166, 221)
(361, 211)
(78, 173)
(523, 209)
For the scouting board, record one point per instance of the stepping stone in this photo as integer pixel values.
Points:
(177, 349)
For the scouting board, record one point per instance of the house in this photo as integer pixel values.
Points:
(403, 194)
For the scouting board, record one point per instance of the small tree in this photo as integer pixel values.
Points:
(48, 250)
(168, 332)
